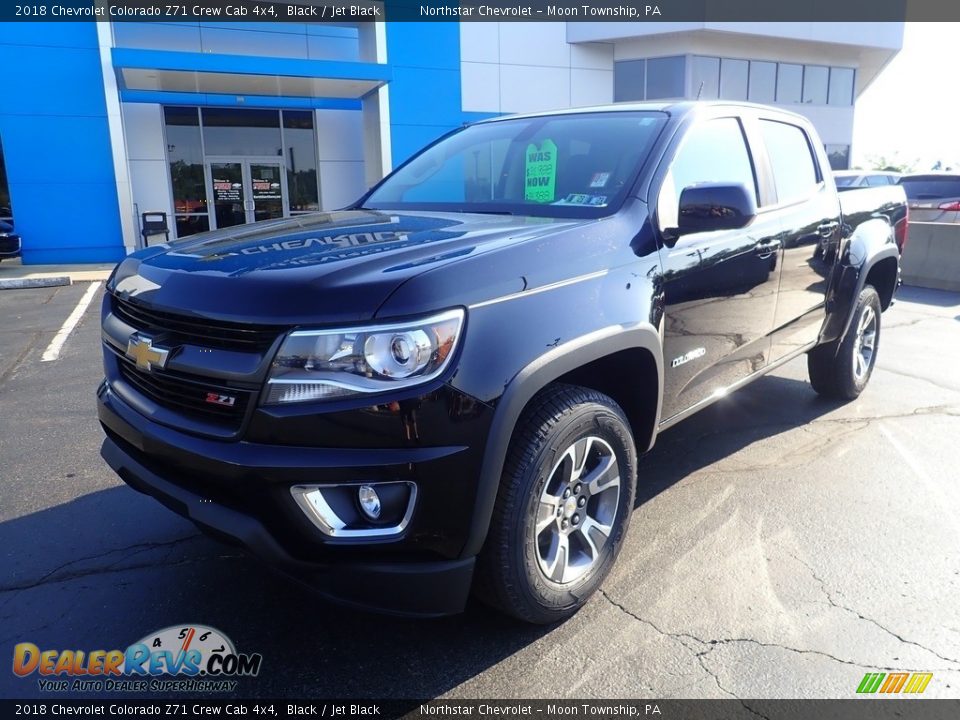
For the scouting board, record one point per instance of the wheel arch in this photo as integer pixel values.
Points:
(882, 275)
(871, 254)
(593, 361)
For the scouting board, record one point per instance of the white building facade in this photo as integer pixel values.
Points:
(212, 125)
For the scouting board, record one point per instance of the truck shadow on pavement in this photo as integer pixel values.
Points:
(767, 407)
(112, 566)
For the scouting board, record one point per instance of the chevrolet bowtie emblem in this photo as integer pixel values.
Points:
(140, 349)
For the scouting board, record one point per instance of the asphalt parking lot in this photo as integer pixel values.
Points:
(782, 546)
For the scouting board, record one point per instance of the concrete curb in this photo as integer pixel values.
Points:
(19, 274)
(37, 282)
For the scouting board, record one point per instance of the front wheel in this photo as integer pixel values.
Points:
(563, 508)
(842, 369)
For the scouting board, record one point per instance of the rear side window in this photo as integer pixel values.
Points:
(877, 180)
(846, 180)
(931, 187)
(713, 151)
(794, 172)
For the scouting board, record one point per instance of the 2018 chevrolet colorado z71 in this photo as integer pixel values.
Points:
(447, 385)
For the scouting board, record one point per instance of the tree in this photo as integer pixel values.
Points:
(891, 164)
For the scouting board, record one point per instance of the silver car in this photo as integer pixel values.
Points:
(933, 197)
(847, 179)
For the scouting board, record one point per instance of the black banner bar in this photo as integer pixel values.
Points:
(338, 11)
(865, 708)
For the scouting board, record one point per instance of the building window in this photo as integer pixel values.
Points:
(815, 82)
(841, 86)
(839, 156)
(705, 74)
(228, 131)
(185, 156)
(763, 82)
(629, 80)
(789, 83)
(651, 79)
(300, 153)
(733, 79)
(665, 77)
(794, 172)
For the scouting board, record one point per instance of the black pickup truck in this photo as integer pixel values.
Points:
(446, 386)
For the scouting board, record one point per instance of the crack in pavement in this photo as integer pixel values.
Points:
(916, 321)
(716, 642)
(136, 547)
(834, 603)
(18, 361)
(107, 569)
(699, 655)
(948, 388)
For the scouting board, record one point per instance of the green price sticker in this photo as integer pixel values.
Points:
(541, 175)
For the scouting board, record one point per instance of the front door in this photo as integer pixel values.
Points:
(720, 288)
(246, 190)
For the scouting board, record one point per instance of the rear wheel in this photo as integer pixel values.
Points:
(564, 505)
(842, 369)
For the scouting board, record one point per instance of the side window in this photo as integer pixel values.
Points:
(794, 172)
(876, 180)
(713, 151)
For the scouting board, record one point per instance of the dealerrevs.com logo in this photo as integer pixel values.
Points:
(184, 658)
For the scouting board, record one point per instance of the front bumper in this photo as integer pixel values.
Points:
(424, 588)
(239, 492)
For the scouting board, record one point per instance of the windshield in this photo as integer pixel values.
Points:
(558, 166)
(931, 187)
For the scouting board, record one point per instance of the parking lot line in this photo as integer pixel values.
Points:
(53, 349)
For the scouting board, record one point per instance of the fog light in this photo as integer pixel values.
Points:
(369, 501)
(368, 510)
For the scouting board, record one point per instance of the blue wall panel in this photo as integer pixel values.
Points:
(425, 89)
(56, 143)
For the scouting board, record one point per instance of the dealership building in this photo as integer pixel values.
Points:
(219, 124)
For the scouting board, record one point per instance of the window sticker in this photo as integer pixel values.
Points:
(583, 199)
(599, 179)
(541, 172)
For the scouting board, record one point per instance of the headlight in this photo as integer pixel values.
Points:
(334, 364)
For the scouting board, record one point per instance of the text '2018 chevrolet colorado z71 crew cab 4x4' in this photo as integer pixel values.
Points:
(447, 385)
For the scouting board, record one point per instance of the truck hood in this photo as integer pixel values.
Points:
(324, 268)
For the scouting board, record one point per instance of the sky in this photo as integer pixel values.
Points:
(911, 112)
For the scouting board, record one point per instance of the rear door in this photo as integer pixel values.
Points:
(720, 286)
(809, 211)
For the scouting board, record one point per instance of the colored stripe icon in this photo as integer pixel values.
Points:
(912, 683)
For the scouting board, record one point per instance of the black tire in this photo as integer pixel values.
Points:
(832, 367)
(509, 574)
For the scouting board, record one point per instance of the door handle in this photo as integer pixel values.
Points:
(767, 248)
(827, 229)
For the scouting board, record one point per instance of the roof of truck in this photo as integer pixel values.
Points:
(678, 107)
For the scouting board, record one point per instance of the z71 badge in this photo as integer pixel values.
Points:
(218, 399)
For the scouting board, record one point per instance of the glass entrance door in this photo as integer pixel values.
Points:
(229, 193)
(266, 191)
(247, 190)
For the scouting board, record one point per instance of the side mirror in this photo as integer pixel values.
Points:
(715, 206)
